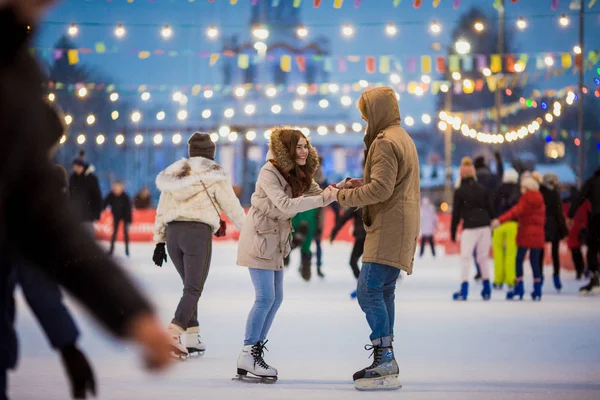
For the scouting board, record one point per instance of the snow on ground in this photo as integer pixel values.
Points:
(446, 350)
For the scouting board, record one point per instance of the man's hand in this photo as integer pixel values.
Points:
(495, 223)
(354, 183)
(147, 331)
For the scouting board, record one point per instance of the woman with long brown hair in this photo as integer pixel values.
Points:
(285, 187)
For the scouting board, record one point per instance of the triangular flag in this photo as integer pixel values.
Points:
(440, 64)
(426, 64)
(456, 4)
(196, 90)
(233, 2)
(417, 3)
(342, 64)
(467, 63)
(370, 65)
(73, 56)
(296, 3)
(316, 3)
(453, 63)
(384, 65)
(496, 63)
(396, 2)
(566, 60)
(554, 5)
(243, 61)
(100, 48)
(286, 63)
(214, 57)
(491, 83)
(337, 3)
(436, 3)
(591, 3)
(301, 63)
(510, 63)
(328, 64)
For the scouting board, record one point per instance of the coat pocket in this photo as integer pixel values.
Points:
(265, 243)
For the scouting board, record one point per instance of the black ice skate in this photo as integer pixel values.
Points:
(383, 373)
(251, 362)
(304, 269)
(591, 288)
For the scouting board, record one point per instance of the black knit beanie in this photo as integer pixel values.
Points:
(200, 145)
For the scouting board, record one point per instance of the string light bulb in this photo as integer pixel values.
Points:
(120, 31)
(260, 32)
(418, 92)
(302, 32)
(271, 92)
(166, 32)
(444, 87)
(73, 30)
(214, 137)
(435, 27)
(177, 96)
(340, 129)
(114, 115)
(138, 139)
(68, 119)
(240, 91)
(136, 116)
(176, 138)
(521, 23)
(391, 30)
(357, 127)
(114, 97)
(229, 113)
(250, 135)
(302, 90)
(462, 47)
(224, 131)
(577, 49)
(158, 139)
(346, 101)
(519, 67)
(363, 83)
(82, 92)
(145, 96)
(63, 139)
(333, 87)
(81, 139)
(119, 139)
(322, 130)
(51, 97)
(426, 79)
(100, 139)
(250, 109)
(564, 20)
(208, 94)
(323, 103)
(426, 118)
(275, 108)
(486, 72)
(298, 105)
(549, 61)
(409, 121)
(206, 113)
(347, 30)
(90, 119)
(479, 27)
(160, 115)
(212, 32)
(456, 75)
(395, 79)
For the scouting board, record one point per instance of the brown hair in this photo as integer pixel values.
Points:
(299, 177)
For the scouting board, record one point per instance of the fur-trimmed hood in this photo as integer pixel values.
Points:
(184, 178)
(281, 155)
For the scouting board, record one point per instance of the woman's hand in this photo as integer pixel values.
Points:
(495, 223)
(330, 195)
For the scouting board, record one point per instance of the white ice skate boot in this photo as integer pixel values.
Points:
(251, 362)
(178, 350)
(193, 342)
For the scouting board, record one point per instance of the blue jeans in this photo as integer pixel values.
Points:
(268, 289)
(534, 259)
(376, 294)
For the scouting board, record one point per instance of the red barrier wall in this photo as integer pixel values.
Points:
(142, 227)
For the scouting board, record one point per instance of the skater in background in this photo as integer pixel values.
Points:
(142, 200)
(120, 207)
(305, 223)
(472, 205)
(390, 197)
(590, 191)
(285, 187)
(359, 233)
(29, 198)
(429, 223)
(84, 191)
(578, 235)
(194, 192)
(530, 214)
(504, 238)
(556, 227)
(484, 174)
(322, 181)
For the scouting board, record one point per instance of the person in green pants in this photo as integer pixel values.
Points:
(306, 222)
(504, 239)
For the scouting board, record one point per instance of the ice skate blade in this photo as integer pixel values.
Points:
(390, 382)
(265, 380)
(179, 356)
(194, 353)
(595, 290)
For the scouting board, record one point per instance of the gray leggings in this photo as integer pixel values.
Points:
(190, 248)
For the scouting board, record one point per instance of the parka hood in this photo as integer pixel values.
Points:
(184, 178)
(280, 153)
(382, 109)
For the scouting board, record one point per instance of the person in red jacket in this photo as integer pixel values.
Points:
(530, 213)
(578, 235)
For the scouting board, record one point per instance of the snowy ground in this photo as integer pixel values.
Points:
(446, 350)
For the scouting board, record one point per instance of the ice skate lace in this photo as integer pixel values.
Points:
(258, 350)
(376, 354)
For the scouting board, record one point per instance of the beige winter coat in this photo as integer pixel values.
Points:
(265, 238)
(391, 191)
(183, 198)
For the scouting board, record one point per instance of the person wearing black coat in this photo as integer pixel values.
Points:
(590, 191)
(485, 176)
(120, 207)
(32, 211)
(84, 192)
(359, 234)
(555, 228)
(473, 205)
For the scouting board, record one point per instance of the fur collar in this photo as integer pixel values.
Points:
(188, 174)
(281, 155)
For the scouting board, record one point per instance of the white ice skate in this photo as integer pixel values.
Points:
(251, 362)
(193, 342)
(178, 350)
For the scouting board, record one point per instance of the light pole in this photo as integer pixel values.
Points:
(580, 152)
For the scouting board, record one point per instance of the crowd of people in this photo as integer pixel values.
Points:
(518, 213)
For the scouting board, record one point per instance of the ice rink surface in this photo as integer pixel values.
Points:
(445, 350)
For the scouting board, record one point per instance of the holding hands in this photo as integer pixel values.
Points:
(330, 195)
(349, 183)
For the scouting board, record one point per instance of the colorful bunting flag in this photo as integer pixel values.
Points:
(243, 61)
(286, 63)
(213, 59)
(73, 57)
(337, 3)
(370, 65)
(496, 63)
(426, 64)
(384, 65)
(453, 63)
(301, 63)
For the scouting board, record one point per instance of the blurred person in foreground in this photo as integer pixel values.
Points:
(32, 211)
(590, 191)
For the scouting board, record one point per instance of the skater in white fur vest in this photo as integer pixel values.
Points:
(194, 193)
